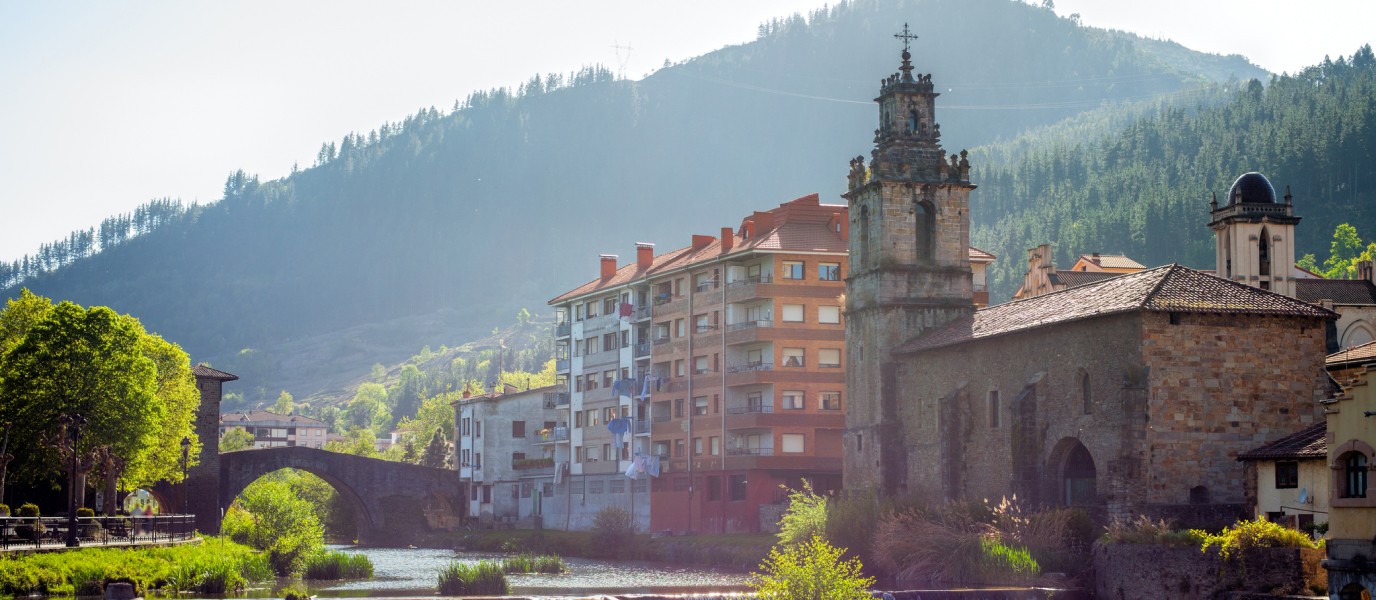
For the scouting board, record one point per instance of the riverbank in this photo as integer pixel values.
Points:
(740, 550)
(213, 566)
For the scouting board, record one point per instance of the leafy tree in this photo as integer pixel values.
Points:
(522, 317)
(812, 570)
(1345, 248)
(236, 439)
(176, 389)
(284, 404)
(20, 315)
(805, 519)
(1307, 263)
(434, 413)
(358, 441)
(279, 523)
(379, 372)
(436, 451)
(89, 362)
(368, 408)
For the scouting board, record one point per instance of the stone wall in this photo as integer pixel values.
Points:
(1150, 572)
(203, 480)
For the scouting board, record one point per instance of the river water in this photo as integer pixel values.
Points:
(400, 572)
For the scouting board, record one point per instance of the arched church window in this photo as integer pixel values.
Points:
(864, 239)
(1079, 477)
(912, 122)
(1264, 253)
(922, 227)
(1199, 495)
(1355, 475)
(1227, 254)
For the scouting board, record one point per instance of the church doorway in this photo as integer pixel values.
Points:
(1079, 476)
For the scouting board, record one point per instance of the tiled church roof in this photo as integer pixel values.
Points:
(1364, 353)
(205, 372)
(1171, 288)
(1340, 291)
(1309, 442)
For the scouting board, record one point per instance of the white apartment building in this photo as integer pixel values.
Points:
(271, 430)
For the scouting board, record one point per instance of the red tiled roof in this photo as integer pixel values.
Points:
(1110, 261)
(1078, 278)
(623, 275)
(977, 255)
(1171, 288)
(1307, 443)
(262, 415)
(1357, 354)
(1340, 291)
(206, 372)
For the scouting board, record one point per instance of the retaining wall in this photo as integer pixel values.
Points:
(1150, 572)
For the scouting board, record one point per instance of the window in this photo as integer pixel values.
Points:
(859, 442)
(922, 214)
(661, 449)
(713, 487)
(578, 384)
(1199, 495)
(680, 328)
(625, 338)
(1355, 470)
(678, 286)
(793, 269)
(680, 484)
(616, 485)
(477, 460)
(592, 418)
(829, 358)
(830, 315)
(595, 486)
(592, 309)
(608, 377)
(487, 494)
(994, 408)
(702, 282)
(793, 357)
(608, 452)
(1085, 394)
(752, 273)
(678, 369)
(608, 414)
(714, 445)
(659, 484)
(477, 429)
(754, 357)
(678, 448)
(547, 490)
(755, 402)
(466, 430)
(700, 406)
(830, 401)
(793, 401)
(578, 419)
(518, 429)
(578, 488)
(829, 271)
(678, 408)
(793, 313)
(1287, 475)
(609, 342)
(701, 366)
(701, 324)
(793, 443)
(697, 446)
(609, 306)
(738, 488)
(578, 312)
(525, 489)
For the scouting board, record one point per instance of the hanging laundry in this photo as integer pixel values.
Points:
(652, 465)
(618, 428)
(626, 310)
(645, 393)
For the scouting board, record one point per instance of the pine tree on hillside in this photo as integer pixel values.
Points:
(435, 451)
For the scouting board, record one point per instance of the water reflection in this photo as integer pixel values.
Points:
(403, 572)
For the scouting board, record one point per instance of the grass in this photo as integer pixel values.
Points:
(468, 579)
(214, 567)
(338, 565)
(530, 563)
(734, 549)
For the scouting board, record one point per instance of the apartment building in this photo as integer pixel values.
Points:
(271, 430)
(504, 450)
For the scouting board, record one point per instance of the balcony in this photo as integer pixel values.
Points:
(703, 371)
(659, 341)
(561, 364)
(704, 328)
(662, 418)
(753, 366)
(642, 426)
(642, 349)
(598, 467)
(563, 329)
(558, 434)
(750, 452)
(556, 399)
(643, 312)
(750, 410)
(750, 281)
(750, 324)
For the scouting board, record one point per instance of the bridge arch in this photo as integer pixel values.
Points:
(373, 488)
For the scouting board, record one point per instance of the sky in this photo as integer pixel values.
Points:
(107, 105)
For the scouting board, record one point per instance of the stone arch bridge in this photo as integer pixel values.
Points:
(396, 498)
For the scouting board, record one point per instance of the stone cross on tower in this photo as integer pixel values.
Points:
(905, 36)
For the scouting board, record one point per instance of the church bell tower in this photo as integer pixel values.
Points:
(1254, 236)
(909, 266)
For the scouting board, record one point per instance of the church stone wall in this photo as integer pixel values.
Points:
(1220, 385)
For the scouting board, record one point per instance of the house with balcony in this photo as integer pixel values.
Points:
(504, 449)
(741, 338)
(271, 430)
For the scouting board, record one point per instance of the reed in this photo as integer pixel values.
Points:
(468, 579)
(338, 565)
(530, 563)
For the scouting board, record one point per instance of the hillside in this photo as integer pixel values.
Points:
(506, 200)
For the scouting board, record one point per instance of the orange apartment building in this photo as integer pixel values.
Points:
(745, 335)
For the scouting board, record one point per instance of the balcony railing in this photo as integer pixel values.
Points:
(702, 287)
(642, 427)
(642, 349)
(751, 409)
(704, 328)
(563, 329)
(558, 434)
(748, 367)
(750, 281)
(750, 324)
(556, 399)
(643, 311)
(663, 299)
(662, 418)
(750, 452)
(828, 365)
(561, 364)
(662, 340)
(703, 371)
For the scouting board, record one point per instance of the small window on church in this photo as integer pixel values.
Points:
(1175, 318)
(912, 122)
(994, 408)
(1086, 394)
(1199, 495)
(922, 228)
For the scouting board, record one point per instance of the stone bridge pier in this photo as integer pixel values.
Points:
(390, 500)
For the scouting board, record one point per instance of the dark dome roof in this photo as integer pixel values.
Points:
(1252, 188)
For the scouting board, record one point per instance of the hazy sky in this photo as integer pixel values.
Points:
(105, 105)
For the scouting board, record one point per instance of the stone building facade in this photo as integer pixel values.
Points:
(203, 480)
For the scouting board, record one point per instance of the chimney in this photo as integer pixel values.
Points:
(749, 229)
(702, 241)
(764, 221)
(644, 254)
(466, 393)
(1365, 271)
(727, 239)
(608, 265)
(1044, 252)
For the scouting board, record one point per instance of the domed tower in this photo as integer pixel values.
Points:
(1254, 235)
(909, 266)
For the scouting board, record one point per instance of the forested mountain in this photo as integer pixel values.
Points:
(1144, 189)
(505, 200)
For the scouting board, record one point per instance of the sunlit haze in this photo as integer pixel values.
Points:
(107, 105)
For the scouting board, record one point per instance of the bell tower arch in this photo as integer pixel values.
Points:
(909, 265)
(1254, 236)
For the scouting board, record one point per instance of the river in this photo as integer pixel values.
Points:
(399, 572)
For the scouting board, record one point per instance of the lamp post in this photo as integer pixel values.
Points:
(186, 449)
(74, 426)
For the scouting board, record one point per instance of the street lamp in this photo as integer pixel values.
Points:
(186, 450)
(74, 426)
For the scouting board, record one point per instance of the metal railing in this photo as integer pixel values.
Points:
(51, 532)
(642, 427)
(749, 324)
(643, 311)
(751, 281)
(561, 364)
(703, 371)
(563, 329)
(556, 399)
(557, 434)
(752, 409)
(750, 452)
(659, 341)
(702, 287)
(642, 349)
(748, 367)
(704, 328)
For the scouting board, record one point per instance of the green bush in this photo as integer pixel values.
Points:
(85, 512)
(338, 565)
(30, 527)
(814, 569)
(1005, 564)
(613, 530)
(278, 522)
(28, 510)
(530, 563)
(465, 579)
(1232, 543)
(805, 519)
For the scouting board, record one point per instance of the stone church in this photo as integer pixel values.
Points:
(1132, 395)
